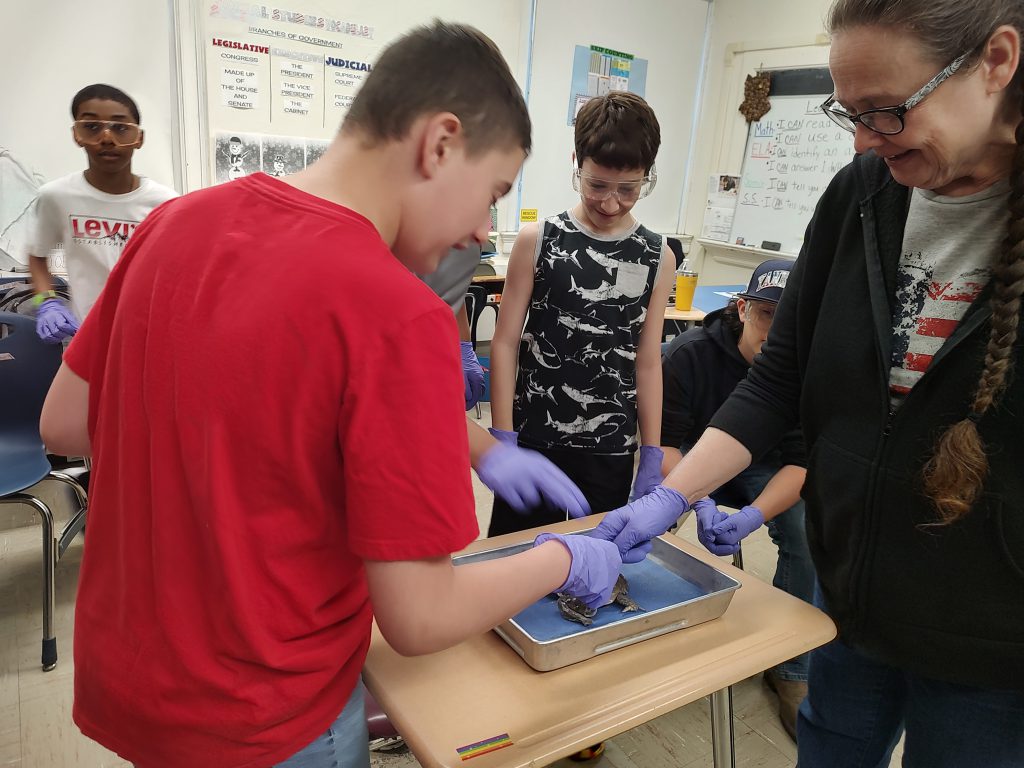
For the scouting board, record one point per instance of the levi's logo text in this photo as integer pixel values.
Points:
(94, 229)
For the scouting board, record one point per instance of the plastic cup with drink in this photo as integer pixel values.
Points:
(686, 282)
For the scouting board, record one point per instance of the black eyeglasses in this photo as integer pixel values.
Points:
(888, 120)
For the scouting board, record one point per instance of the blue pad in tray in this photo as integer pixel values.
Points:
(651, 585)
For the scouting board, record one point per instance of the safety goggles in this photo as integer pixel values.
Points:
(599, 190)
(121, 134)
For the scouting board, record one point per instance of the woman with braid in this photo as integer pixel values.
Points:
(897, 347)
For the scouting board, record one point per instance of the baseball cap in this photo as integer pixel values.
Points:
(768, 280)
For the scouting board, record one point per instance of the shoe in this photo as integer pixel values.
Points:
(589, 753)
(390, 745)
(790, 693)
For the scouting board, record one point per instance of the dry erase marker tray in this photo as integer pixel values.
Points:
(674, 589)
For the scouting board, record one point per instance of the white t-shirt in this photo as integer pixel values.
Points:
(91, 226)
(949, 245)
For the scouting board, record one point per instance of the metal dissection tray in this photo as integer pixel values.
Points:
(674, 589)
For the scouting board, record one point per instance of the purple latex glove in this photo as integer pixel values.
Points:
(595, 567)
(708, 516)
(524, 479)
(738, 526)
(648, 474)
(504, 436)
(633, 526)
(472, 374)
(54, 322)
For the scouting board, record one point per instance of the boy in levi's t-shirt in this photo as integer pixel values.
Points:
(91, 213)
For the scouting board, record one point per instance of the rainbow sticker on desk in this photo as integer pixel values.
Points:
(492, 744)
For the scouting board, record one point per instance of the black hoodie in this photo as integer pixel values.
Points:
(945, 602)
(700, 369)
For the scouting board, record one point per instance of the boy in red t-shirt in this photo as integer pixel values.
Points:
(267, 466)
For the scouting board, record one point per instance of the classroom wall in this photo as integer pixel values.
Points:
(61, 45)
(52, 48)
(670, 36)
(744, 34)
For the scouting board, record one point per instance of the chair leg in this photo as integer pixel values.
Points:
(737, 559)
(80, 493)
(77, 522)
(49, 657)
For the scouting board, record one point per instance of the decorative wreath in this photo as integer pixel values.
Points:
(755, 96)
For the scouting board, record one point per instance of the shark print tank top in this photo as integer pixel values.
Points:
(576, 386)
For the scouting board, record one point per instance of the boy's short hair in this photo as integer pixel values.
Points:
(442, 68)
(107, 93)
(618, 130)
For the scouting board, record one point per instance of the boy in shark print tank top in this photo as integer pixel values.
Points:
(575, 361)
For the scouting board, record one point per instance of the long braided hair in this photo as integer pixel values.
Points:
(955, 473)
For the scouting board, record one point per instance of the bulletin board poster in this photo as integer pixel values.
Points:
(279, 81)
(597, 70)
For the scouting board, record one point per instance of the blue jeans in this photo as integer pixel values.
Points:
(345, 744)
(794, 571)
(856, 708)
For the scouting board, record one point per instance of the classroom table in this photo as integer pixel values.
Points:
(493, 284)
(706, 299)
(481, 689)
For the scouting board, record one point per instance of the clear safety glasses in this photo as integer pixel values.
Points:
(599, 190)
(92, 131)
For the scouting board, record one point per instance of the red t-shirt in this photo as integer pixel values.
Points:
(273, 398)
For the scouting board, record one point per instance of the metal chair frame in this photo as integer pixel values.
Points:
(37, 363)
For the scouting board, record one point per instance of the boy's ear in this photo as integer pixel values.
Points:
(75, 138)
(441, 135)
(142, 137)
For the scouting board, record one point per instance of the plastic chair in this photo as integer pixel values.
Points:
(27, 367)
(483, 269)
(476, 303)
(676, 246)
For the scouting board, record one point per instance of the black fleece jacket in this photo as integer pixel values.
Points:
(700, 369)
(945, 602)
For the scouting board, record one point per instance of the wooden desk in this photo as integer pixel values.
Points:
(692, 315)
(488, 279)
(482, 689)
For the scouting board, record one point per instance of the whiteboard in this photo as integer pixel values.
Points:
(792, 153)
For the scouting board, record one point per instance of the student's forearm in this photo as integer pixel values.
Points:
(427, 606)
(39, 270)
(648, 394)
(782, 491)
(672, 456)
(649, 377)
(64, 421)
(480, 441)
(462, 320)
(716, 458)
(503, 382)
